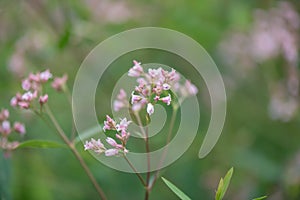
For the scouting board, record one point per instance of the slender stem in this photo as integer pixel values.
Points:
(148, 164)
(69, 97)
(146, 138)
(56, 125)
(172, 122)
(140, 125)
(88, 172)
(135, 171)
(75, 152)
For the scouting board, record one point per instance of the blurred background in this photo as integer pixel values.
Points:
(255, 44)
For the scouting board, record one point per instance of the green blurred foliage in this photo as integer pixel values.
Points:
(36, 34)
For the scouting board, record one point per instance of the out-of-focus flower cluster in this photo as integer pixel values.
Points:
(33, 89)
(6, 129)
(122, 135)
(153, 86)
(273, 35)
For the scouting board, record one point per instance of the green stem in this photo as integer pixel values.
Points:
(174, 114)
(69, 97)
(75, 152)
(148, 164)
(135, 171)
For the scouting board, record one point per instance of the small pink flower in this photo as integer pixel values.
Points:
(26, 85)
(191, 89)
(156, 98)
(118, 105)
(43, 99)
(166, 86)
(5, 128)
(20, 128)
(124, 136)
(122, 95)
(14, 102)
(158, 90)
(113, 143)
(111, 152)
(28, 96)
(109, 124)
(150, 109)
(45, 76)
(166, 99)
(136, 107)
(123, 124)
(141, 82)
(136, 70)
(95, 145)
(4, 114)
(34, 77)
(135, 98)
(59, 82)
(24, 104)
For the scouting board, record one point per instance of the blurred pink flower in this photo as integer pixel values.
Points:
(43, 99)
(111, 152)
(4, 114)
(59, 82)
(26, 85)
(5, 127)
(136, 70)
(45, 76)
(20, 128)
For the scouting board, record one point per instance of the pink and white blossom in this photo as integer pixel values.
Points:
(111, 152)
(136, 70)
(45, 76)
(109, 124)
(26, 85)
(4, 114)
(123, 125)
(150, 109)
(5, 127)
(43, 99)
(20, 128)
(191, 88)
(59, 82)
(95, 145)
(166, 99)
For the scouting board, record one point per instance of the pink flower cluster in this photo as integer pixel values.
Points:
(121, 134)
(32, 86)
(152, 87)
(6, 129)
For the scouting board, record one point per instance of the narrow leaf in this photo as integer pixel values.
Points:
(177, 191)
(223, 185)
(41, 144)
(260, 198)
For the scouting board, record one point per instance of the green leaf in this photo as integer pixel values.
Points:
(177, 191)
(41, 144)
(260, 198)
(223, 185)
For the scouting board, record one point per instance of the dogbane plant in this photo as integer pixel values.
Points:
(153, 86)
